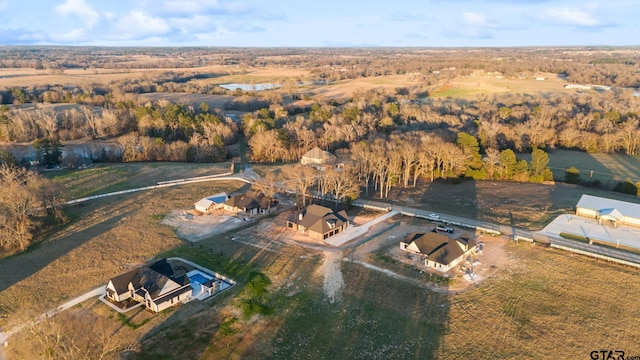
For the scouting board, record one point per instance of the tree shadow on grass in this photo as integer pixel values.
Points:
(20, 266)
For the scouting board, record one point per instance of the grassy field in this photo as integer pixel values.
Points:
(472, 87)
(214, 101)
(104, 178)
(608, 168)
(537, 307)
(530, 205)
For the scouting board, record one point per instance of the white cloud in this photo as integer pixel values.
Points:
(475, 25)
(138, 25)
(572, 16)
(195, 7)
(198, 23)
(72, 36)
(80, 9)
(475, 19)
(4, 4)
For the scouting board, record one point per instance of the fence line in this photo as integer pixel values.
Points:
(597, 256)
(163, 185)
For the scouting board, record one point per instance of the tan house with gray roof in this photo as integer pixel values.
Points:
(440, 251)
(318, 222)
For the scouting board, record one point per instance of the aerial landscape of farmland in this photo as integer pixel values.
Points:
(206, 180)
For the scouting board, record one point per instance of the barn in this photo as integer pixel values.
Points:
(614, 212)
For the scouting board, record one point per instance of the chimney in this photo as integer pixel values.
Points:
(300, 216)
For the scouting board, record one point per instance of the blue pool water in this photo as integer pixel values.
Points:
(198, 278)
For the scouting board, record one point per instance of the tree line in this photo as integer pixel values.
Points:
(26, 200)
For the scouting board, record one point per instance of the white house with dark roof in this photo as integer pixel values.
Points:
(440, 251)
(210, 203)
(609, 210)
(154, 286)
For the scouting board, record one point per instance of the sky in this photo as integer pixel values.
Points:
(320, 23)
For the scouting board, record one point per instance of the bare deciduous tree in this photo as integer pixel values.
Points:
(300, 179)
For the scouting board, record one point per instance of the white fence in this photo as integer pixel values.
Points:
(597, 256)
(163, 184)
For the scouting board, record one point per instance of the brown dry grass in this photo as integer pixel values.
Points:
(532, 206)
(537, 306)
(472, 87)
(109, 236)
(214, 101)
(28, 77)
(346, 88)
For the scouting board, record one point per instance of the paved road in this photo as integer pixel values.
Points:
(248, 178)
(353, 232)
(4, 336)
(508, 230)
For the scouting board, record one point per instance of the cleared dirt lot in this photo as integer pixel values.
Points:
(385, 242)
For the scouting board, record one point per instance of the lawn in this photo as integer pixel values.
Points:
(608, 168)
(514, 314)
(104, 178)
(529, 205)
(537, 306)
(472, 87)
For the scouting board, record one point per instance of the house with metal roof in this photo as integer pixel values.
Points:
(440, 252)
(610, 211)
(210, 203)
(318, 222)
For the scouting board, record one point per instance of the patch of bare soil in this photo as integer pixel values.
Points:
(330, 270)
(490, 258)
(195, 228)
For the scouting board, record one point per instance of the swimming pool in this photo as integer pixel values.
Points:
(197, 276)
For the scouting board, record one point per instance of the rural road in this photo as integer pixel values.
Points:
(248, 176)
(341, 239)
(353, 232)
(4, 336)
(508, 230)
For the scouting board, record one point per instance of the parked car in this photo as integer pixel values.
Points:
(434, 216)
(446, 229)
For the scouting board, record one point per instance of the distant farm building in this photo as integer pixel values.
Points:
(319, 222)
(441, 252)
(318, 158)
(210, 203)
(577, 86)
(250, 203)
(608, 210)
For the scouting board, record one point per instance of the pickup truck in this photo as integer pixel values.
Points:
(446, 229)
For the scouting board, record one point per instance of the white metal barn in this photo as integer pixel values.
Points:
(608, 210)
